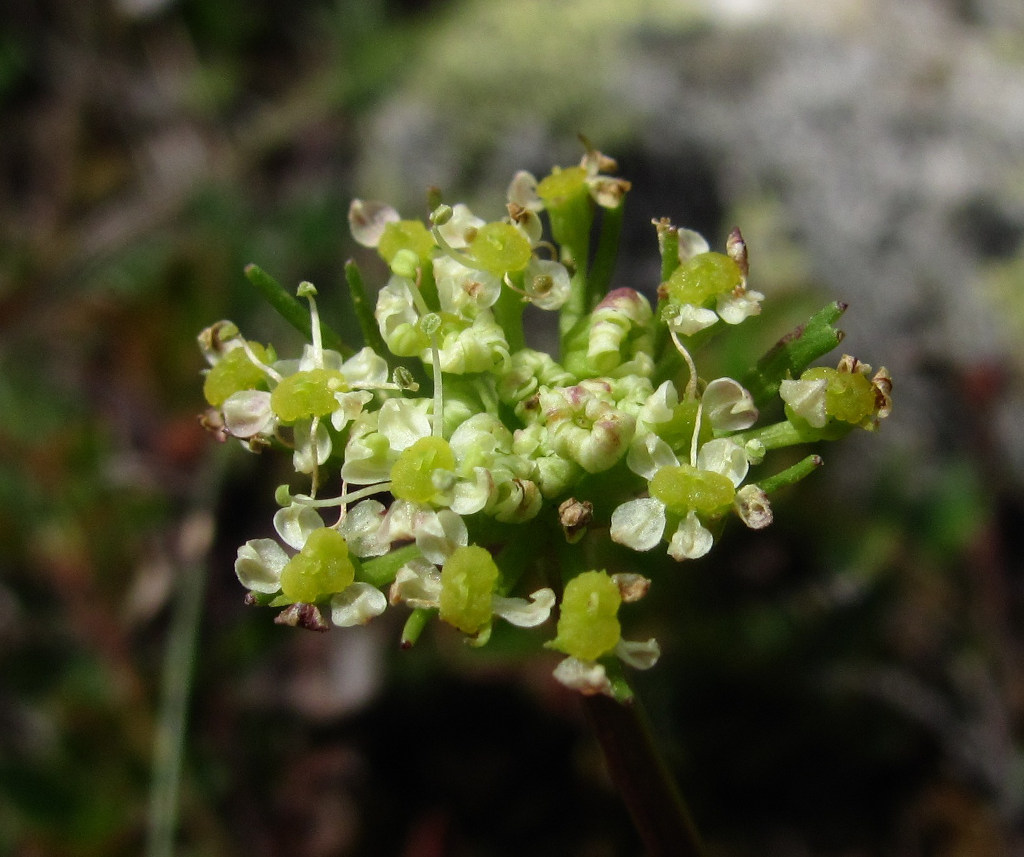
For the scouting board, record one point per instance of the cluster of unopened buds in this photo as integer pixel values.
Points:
(455, 471)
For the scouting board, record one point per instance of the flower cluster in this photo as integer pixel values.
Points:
(447, 434)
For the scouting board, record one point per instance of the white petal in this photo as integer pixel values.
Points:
(688, 319)
(726, 457)
(361, 529)
(350, 406)
(807, 399)
(295, 522)
(555, 279)
(660, 405)
(312, 445)
(691, 244)
(438, 534)
(248, 413)
(691, 540)
(418, 584)
(523, 613)
(638, 524)
(728, 405)
(648, 454)
(522, 190)
(402, 423)
(588, 677)
(365, 368)
(734, 308)
(470, 496)
(259, 565)
(357, 605)
(462, 219)
(641, 655)
(367, 219)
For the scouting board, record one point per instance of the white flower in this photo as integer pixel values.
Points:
(260, 562)
(640, 524)
(418, 583)
(546, 283)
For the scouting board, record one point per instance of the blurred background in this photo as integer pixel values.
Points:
(847, 682)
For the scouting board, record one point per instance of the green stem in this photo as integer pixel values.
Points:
(196, 536)
(642, 778)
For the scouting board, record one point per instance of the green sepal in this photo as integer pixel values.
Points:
(794, 353)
